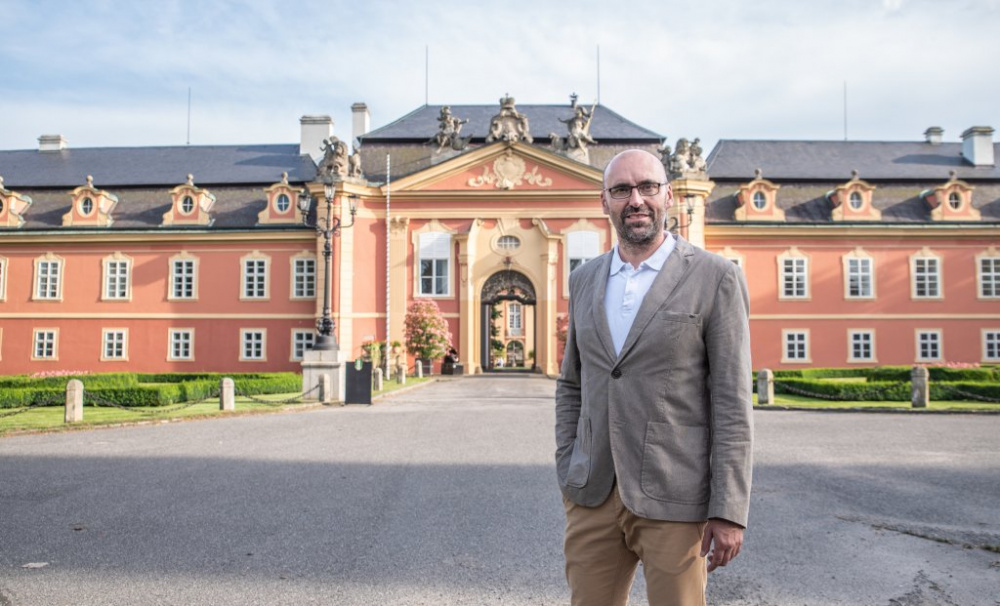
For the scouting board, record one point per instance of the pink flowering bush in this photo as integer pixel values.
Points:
(59, 373)
(427, 334)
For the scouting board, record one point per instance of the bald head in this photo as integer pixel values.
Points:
(635, 159)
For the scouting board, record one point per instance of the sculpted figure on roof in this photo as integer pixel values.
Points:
(449, 129)
(354, 164)
(509, 124)
(686, 162)
(335, 159)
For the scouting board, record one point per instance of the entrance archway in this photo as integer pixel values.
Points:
(509, 326)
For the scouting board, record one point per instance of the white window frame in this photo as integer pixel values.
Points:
(53, 282)
(861, 258)
(581, 246)
(434, 246)
(45, 337)
(255, 282)
(854, 335)
(515, 321)
(787, 335)
(116, 286)
(987, 282)
(3, 278)
(797, 276)
(991, 340)
(304, 283)
(116, 340)
(919, 274)
(248, 337)
(301, 337)
(177, 279)
(938, 342)
(175, 338)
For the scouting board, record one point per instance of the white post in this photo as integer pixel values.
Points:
(74, 401)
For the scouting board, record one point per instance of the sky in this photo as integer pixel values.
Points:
(118, 72)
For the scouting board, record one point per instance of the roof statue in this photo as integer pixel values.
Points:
(686, 162)
(449, 129)
(509, 124)
(574, 145)
(335, 161)
(354, 164)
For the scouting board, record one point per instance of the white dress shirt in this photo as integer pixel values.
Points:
(627, 286)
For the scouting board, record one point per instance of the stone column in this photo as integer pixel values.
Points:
(74, 401)
(227, 394)
(325, 392)
(329, 363)
(920, 387)
(377, 379)
(765, 386)
(691, 193)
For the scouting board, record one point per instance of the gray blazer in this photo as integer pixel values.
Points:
(670, 416)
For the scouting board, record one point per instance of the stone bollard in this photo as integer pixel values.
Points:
(227, 394)
(377, 379)
(74, 401)
(765, 386)
(401, 374)
(420, 370)
(920, 387)
(325, 389)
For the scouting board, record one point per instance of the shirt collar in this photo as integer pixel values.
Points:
(655, 260)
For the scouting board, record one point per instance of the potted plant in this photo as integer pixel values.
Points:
(427, 334)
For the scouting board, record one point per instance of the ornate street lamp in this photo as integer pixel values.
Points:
(326, 340)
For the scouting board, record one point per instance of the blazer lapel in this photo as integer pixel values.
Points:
(663, 285)
(597, 306)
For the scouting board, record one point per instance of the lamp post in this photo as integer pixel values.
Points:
(326, 340)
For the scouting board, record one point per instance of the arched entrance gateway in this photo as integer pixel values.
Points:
(508, 327)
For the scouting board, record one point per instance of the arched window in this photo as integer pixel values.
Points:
(954, 200)
(283, 203)
(759, 200)
(855, 201)
(515, 353)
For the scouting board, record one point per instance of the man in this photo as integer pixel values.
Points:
(653, 405)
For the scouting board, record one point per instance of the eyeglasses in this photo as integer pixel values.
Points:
(623, 192)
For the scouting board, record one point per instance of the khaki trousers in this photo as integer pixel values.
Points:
(605, 544)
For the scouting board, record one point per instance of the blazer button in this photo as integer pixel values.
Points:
(616, 373)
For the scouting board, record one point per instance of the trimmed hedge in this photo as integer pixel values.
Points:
(25, 396)
(862, 392)
(936, 373)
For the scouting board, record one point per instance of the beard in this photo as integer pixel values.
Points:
(639, 235)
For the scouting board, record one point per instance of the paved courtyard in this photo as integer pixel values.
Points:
(445, 495)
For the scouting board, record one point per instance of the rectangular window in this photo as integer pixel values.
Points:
(794, 278)
(114, 345)
(302, 340)
(796, 347)
(305, 278)
(859, 278)
(182, 279)
(47, 285)
(514, 323)
(3, 278)
(991, 346)
(45, 344)
(254, 278)
(253, 344)
(116, 278)
(929, 345)
(926, 278)
(435, 263)
(862, 346)
(181, 344)
(582, 246)
(989, 277)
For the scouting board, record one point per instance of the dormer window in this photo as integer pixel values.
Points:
(1, 206)
(283, 203)
(12, 207)
(759, 200)
(951, 201)
(954, 201)
(190, 205)
(86, 207)
(856, 201)
(187, 205)
(90, 207)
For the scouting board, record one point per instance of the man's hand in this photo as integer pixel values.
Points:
(727, 538)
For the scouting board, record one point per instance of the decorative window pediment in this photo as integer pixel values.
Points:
(282, 204)
(757, 200)
(852, 201)
(191, 205)
(91, 207)
(12, 207)
(951, 201)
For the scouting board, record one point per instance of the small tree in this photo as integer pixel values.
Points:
(427, 334)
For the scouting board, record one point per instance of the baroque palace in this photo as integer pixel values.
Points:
(197, 258)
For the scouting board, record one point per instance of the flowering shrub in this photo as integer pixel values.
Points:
(59, 373)
(427, 334)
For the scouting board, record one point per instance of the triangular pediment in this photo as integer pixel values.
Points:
(502, 167)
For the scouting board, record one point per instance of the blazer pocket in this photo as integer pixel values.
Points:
(675, 463)
(580, 462)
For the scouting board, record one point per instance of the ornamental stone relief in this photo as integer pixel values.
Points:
(509, 171)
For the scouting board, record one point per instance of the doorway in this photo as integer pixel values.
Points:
(508, 327)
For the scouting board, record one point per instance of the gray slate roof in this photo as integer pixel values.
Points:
(155, 166)
(834, 160)
(421, 124)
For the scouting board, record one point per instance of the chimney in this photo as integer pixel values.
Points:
(977, 145)
(53, 143)
(314, 130)
(934, 134)
(362, 120)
